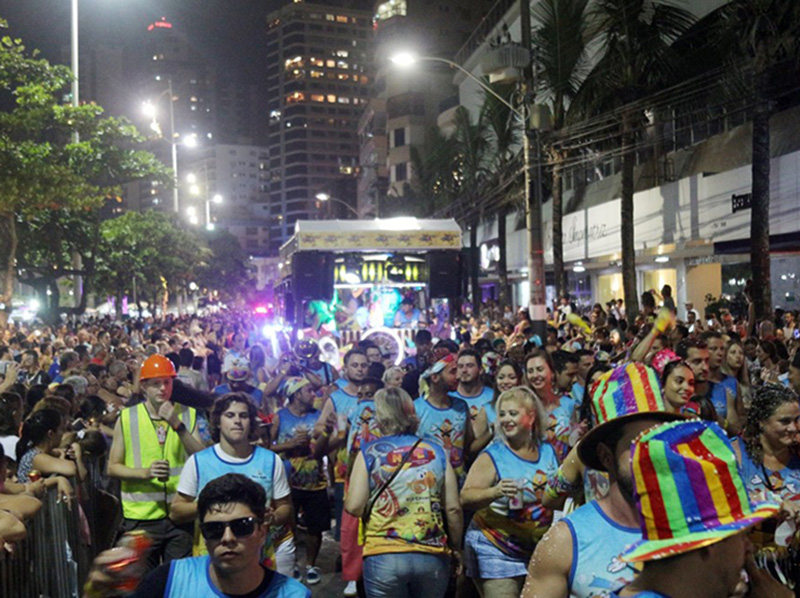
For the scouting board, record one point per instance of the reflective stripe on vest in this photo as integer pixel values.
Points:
(149, 499)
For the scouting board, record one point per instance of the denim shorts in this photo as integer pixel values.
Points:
(486, 561)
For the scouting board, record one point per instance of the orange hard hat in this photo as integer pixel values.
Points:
(157, 366)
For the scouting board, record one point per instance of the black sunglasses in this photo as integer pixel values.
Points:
(241, 528)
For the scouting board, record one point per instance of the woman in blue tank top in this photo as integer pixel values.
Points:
(505, 486)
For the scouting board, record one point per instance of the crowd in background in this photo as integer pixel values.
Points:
(443, 468)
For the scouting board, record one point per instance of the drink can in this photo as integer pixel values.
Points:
(34, 476)
(516, 502)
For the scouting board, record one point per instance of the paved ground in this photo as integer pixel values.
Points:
(331, 585)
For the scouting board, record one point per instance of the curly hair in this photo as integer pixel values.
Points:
(223, 403)
(766, 401)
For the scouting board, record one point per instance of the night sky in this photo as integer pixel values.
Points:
(230, 32)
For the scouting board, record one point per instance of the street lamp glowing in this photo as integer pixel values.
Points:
(210, 226)
(149, 109)
(322, 196)
(190, 141)
(191, 178)
(217, 198)
(191, 211)
(403, 59)
(194, 220)
(194, 189)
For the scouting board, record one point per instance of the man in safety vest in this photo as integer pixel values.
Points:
(152, 441)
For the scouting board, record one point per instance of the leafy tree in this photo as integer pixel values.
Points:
(226, 269)
(44, 169)
(144, 254)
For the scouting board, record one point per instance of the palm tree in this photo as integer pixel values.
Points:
(635, 38)
(561, 56)
(760, 40)
(504, 131)
(471, 141)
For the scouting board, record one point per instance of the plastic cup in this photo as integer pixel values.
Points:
(516, 502)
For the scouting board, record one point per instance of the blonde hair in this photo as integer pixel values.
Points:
(530, 402)
(390, 371)
(394, 412)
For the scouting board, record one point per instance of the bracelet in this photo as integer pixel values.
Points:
(180, 427)
(558, 485)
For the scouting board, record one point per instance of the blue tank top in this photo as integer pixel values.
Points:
(719, 396)
(191, 577)
(447, 427)
(475, 403)
(260, 467)
(516, 532)
(597, 542)
(304, 471)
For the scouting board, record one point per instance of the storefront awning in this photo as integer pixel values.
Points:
(785, 243)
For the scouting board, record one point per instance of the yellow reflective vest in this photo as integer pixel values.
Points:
(149, 500)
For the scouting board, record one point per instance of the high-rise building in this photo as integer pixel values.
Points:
(404, 105)
(226, 185)
(318, 71)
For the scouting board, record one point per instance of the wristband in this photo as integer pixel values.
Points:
(558, 485)
(179, 428)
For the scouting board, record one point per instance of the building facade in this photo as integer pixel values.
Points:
(405, 104)
(318, 69)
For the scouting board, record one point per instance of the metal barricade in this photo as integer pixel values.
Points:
(53, 561)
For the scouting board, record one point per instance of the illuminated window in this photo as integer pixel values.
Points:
(342, 64)
(316, 62)
(341, 19)
(392, 8)
(316, 74)
(330, 18)
(342, 54)
(331, 98)
(343, 77)
(295, 97)
(331, 64)
(295, 62)
(317, 97)
(344, 100)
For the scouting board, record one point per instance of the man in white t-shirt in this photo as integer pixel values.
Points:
(234, 423)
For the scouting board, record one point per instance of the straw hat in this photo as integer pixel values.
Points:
(626, 393)
(688, 490)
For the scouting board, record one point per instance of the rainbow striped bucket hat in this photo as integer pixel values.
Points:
(689, 490)
(627, 392)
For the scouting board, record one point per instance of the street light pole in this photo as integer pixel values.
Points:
(326, 197)
(74, 60)
(533, 191)
(175, 203)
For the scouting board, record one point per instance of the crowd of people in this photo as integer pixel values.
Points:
(495, 462)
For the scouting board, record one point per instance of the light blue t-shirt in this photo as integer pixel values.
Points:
(475, 403)
(191, 577)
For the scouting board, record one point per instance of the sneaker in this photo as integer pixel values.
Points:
(350, 589)
(312, 575)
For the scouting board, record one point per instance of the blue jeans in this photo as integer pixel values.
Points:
(406, 575)
(338, 506)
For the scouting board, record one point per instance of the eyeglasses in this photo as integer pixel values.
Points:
(241, 528)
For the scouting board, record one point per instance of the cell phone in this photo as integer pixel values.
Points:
(78, 425)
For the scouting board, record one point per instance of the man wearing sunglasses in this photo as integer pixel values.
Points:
(232, 511)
